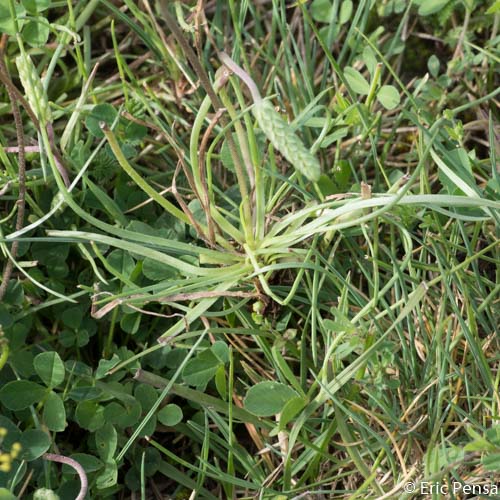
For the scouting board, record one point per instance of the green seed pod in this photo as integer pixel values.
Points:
(284, 139)
(32, 84)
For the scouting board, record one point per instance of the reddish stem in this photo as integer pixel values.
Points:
(247, 79)
(84, 484)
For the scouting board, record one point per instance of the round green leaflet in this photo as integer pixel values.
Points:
(268, 398)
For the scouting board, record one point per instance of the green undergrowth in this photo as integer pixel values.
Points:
(189, 307)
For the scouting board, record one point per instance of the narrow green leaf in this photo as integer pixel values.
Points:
(137, 178)
(460, 183)
(285, 369)
(108, 203)
(290, 410)
(142, 250)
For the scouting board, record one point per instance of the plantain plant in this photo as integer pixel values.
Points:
(233, 286)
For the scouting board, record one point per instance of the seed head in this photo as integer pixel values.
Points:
(33, 88)
(284, 139)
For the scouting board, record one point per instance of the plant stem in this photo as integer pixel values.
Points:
(21, 200)
(252, 87)
(4, 352)
(53, 457)
(374, 86)
(115, 147)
